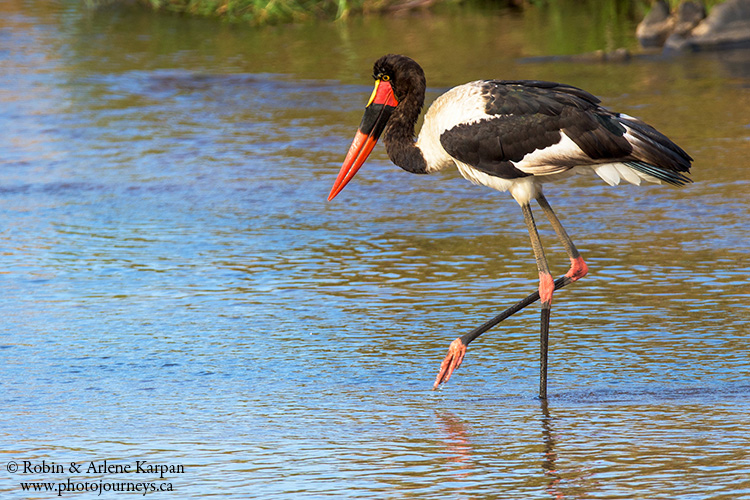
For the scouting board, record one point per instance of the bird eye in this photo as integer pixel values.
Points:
(385, 78)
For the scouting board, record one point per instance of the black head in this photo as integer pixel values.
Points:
(392, 110)
(404, 74)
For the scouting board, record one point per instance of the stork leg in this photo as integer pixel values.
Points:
(546, 289)
(578, 269)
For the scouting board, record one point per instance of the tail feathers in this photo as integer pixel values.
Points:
(654, 154)
(668, 176)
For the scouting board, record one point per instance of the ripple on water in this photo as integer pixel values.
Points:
(176, 289)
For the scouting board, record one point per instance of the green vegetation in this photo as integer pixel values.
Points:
(274, 11)
(260, 12)
(254, 11)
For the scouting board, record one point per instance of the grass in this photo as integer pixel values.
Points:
(262, 12)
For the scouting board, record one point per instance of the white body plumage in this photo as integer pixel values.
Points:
(466, 104)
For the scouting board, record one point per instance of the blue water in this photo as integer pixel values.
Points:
(176, 290)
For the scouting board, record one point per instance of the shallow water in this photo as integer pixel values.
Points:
(177, 290)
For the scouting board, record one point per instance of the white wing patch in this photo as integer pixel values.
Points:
(613, 173)
(553, 159)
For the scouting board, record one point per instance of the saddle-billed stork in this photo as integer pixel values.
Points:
(510, 135)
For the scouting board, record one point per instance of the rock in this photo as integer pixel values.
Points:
(660, 25)
(726, 27)
(656, 26)
(618, 55)
(621, 55)
(689, 15)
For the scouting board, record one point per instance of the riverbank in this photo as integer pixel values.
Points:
(261, 12)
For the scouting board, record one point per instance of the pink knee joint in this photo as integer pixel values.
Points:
(578, 269)
(546, 287)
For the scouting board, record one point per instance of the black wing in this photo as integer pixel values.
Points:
(527, 116)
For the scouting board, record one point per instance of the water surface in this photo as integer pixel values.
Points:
(177, 290)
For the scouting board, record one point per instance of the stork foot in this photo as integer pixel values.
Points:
(452, 361)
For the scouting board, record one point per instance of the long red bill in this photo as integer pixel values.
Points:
(360, 149)
(377, 112)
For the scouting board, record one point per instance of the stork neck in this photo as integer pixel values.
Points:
(399, 137)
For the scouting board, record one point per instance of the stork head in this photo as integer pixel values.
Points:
(397, 78)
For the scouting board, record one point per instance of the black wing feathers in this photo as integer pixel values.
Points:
(599, 135)
(656, 148)
(525, 116)
(491, 145)
(509, 96)
(563, 108)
